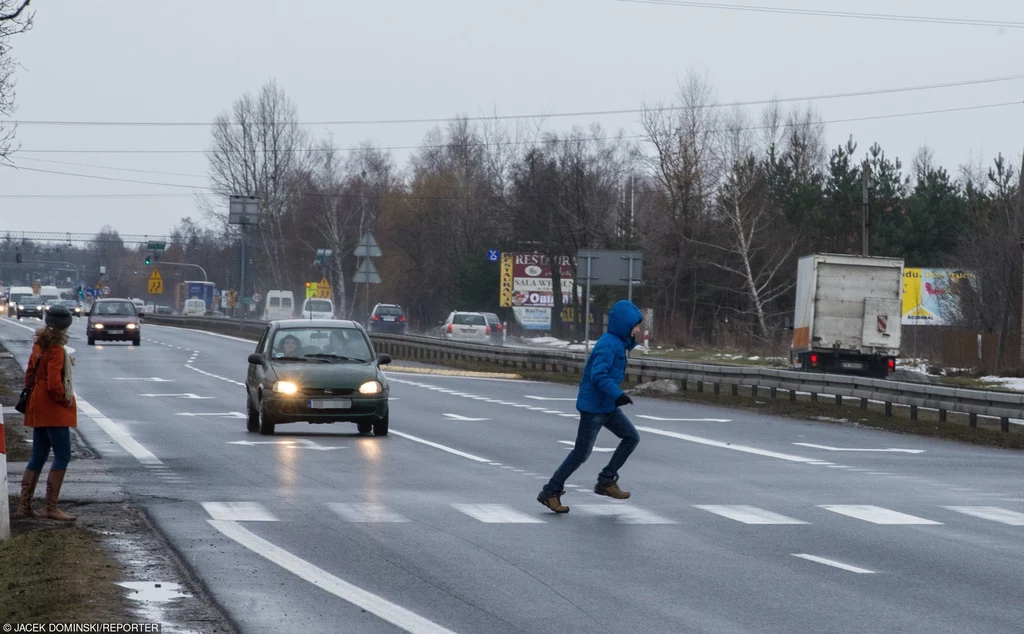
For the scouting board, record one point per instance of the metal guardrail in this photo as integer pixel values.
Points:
(974, 403)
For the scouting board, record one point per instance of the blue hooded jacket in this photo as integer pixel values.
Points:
(606, 367)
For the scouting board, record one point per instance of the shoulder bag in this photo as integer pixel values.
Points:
(26, 392)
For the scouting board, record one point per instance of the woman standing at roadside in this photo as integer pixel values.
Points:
(52, 412)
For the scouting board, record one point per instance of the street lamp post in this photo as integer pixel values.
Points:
(244, 211)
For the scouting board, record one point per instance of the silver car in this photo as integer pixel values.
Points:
(466, 327)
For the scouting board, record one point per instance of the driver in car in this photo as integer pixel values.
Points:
(290, 347)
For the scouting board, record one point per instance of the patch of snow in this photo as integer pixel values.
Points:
(754, 358)
(1009, 383)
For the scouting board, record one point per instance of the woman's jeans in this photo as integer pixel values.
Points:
(44, 438)
(590, 425)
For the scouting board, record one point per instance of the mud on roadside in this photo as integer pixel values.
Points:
(54, 572)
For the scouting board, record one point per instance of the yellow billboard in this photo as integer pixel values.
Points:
(930, 295)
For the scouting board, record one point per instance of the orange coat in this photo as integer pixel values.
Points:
(47, 406)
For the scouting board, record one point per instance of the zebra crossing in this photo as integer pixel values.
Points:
(489, 513)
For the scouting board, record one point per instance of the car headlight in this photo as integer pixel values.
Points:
(98, 326)
(131, 326)
(285, 387)
(371, 387)
(41, 307)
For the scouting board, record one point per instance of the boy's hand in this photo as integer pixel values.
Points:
(623, 400)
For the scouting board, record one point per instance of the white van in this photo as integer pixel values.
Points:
(316, 308)
(280, 305)
(194, 308)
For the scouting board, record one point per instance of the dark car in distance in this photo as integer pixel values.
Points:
(31, 306)
(113, 320)
(316, 371)
(497, 328)
(388, 318)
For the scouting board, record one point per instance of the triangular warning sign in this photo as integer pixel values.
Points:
(367, 267)
(324, 282)
(368, 247)
(156, 275)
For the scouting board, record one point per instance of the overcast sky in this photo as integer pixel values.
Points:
(131, 60)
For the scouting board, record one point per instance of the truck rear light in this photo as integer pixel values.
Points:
(814, 360)
(892, 365)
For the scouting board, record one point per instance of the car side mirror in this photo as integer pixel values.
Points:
(255, 359)
(87, 313)
(383, 359)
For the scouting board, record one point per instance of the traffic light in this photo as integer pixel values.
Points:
(147, 260)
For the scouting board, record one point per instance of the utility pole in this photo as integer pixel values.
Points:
(866, 218)
(1020, 233)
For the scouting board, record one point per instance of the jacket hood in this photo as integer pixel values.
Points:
(623, 316)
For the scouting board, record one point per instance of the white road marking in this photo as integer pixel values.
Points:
(440, 446)
(239, 512)
(496, 514)
(623, 513)
(724, 445)
(993, 513)
(828, 448)
(188, 396)
(749, 514)
(569, 415)
(876, 514)
(392, 613)
(685, 420)
(118, 434)
(555, 411)
(835, 564)
(464, 418)
(597, 449)
(154, 379)
(548, 398)
(215, 414)
(366, 512)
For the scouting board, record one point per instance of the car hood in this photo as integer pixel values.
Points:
(318, 375)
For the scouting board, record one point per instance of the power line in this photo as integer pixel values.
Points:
(443, 145)
(584, 113)
(109, 167)
(887, 17)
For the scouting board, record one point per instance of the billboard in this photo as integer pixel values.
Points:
(526, 280)
(929, 295)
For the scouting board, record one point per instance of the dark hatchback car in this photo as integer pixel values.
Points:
(113, 320)
(31, 306)
(317, 371)
(388, 318)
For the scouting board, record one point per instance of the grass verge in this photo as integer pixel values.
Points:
(54, 573)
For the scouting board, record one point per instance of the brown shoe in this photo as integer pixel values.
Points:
(553, 501)
(50, 511)
(29, 479)
(611, 489)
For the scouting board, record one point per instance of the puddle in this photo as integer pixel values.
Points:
(153, 591)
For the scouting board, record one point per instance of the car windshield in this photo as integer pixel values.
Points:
(121, 309)
(468, 319)
(31, 299)
(319, 306)
(54, 302)
(321, 343)
(70, 303)
(389, 311)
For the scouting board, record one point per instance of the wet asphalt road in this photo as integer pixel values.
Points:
(739, 522)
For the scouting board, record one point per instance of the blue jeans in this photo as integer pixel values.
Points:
(590, 425)
(43, 438)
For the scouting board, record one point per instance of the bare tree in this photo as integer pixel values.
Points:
(257, 148)
(14, 20)
(687, 167)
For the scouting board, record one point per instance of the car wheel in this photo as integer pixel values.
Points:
(364, 428)
(252, 417)
(92, 342)
(265, 422)
(380, 428)
(136, 342)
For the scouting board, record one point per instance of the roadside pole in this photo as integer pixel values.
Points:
(5, 516)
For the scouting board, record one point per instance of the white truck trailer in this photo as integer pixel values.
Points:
(847, 317)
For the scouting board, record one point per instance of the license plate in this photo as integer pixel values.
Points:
(851, 365)
(327, 403)
(468, 331)
(115, 332)
(389, 319)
